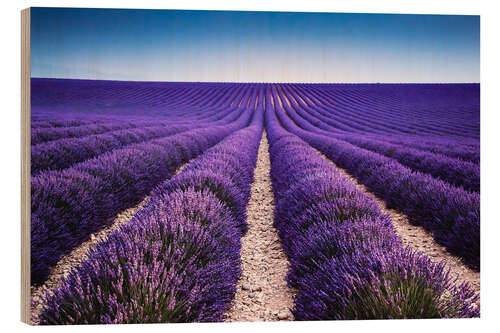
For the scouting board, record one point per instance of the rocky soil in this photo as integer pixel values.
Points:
(262, 294)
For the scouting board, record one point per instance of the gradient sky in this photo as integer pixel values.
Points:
(174, 45)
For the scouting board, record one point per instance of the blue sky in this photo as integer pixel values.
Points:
(173, 45)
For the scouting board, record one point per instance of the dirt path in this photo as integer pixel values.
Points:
(418, 238)
(262, 293)
(61, 270)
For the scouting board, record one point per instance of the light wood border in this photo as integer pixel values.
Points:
(25, 165)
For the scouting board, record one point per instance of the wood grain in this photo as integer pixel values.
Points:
(25, 165)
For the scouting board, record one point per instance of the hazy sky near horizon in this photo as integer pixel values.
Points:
(231, 46)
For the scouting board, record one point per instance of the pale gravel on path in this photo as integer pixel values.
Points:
(61, 270)
(262, 292)
(418, 238)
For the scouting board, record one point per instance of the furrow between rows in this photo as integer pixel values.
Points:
(262, 292)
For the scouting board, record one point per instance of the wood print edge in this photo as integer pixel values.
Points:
(25, 165)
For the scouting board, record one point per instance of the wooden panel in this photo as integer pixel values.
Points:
(25, 165)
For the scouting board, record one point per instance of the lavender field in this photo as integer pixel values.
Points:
(188, 202)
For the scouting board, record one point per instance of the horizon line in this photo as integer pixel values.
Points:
(261, 82)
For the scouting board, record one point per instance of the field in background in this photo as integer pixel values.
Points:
(187, 152)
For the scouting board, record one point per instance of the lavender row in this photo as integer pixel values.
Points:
(448, 143)
(60, 120)
(425, 109)
(450, 213)
(339, 123)
(203, 115)
(355, 112)
(450, 147)
(453, 150)
(178, 259)
(459, 148)
(55, 123)
(454, 171)
(346, 261)
(434, 109)
(173, 101)
(39, 135)
(69, 205)
(61, 154)
(43, 135)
